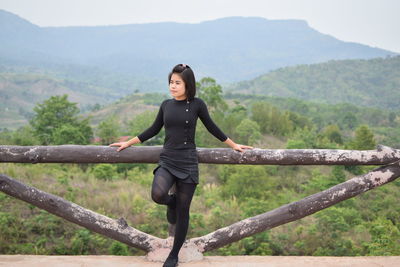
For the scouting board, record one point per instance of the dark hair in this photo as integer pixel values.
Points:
(187, 76)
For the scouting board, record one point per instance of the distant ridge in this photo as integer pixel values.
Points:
(228, 49)
(371, 83)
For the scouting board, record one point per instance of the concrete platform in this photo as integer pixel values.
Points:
(219, 261)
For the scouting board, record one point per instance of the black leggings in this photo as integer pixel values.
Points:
(163, 181)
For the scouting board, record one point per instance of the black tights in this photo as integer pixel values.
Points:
(163, 181)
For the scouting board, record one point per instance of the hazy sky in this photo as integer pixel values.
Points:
(371, 22)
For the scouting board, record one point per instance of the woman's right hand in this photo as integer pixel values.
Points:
(122, 145)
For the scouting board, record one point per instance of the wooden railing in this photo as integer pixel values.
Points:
(194, 248)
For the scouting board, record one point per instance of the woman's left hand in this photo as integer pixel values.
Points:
(241, 148)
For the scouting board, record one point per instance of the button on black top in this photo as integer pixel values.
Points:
(178, 115)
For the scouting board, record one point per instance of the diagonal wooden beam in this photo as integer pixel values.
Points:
(116, 229)
(142, 154)
(192, 250)
(297, 210)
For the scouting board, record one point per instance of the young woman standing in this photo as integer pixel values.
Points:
(178, 160)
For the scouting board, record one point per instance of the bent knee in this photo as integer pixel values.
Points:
(158, 197)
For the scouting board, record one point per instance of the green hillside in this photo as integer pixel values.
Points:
(348, 117)
(368, 83)
(127, 108)
(20, 92)
(373, 83)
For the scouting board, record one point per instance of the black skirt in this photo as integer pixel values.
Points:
(182, 163)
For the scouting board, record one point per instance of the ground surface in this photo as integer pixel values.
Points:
(220, 261)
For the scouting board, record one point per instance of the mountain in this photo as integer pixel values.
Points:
(228, 49)
(371, 83)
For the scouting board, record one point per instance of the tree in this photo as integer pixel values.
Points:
(385, 238)
(303, 138)
(143, 121)
(105, 171)
(230, 121)
(332, 132)
(247, 182)
(364, 139)
(211, 93)
(56, 121)
(260, 111)
(24, 136)
(248, 132)
(108, 130)
(71, 134)
(296, 144)
(349, 120)
(271, 120)
(298, 120)
(6, 137)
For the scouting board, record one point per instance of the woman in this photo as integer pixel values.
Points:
(178, 160)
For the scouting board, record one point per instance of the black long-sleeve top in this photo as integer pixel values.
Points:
(179, 117)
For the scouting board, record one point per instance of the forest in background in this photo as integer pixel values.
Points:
(371, 83)
(365, 225)
(368, 83)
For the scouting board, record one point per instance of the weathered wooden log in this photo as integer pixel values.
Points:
(141, 154)
(116, 229)
(297, 210)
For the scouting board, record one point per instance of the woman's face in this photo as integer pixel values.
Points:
(177, 87)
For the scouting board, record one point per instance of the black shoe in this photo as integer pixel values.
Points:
(171, 215)
(171, 262)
